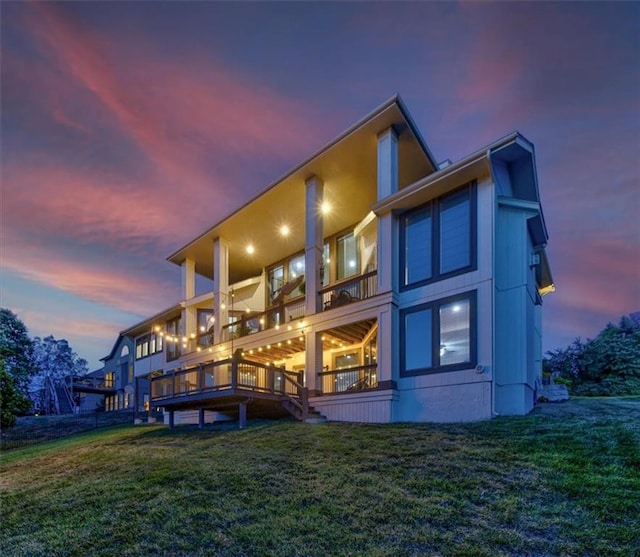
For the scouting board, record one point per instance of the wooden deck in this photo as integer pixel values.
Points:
(230, 386)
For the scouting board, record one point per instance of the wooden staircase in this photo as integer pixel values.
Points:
(302, 412)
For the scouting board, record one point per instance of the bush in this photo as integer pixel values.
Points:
(608, 365)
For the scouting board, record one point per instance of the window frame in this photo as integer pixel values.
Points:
(435, 204)
(434, 306)
(147, 341)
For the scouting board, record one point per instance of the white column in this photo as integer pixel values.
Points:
(387, 163)
(313, 243)
(189, 292)
(388, 347)
(388, 260)
(221, 294)
(188, 279)
(313, 362)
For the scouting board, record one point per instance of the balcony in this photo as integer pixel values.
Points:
(353, 379)
(227, 383)
(350, 290)
(254, 322)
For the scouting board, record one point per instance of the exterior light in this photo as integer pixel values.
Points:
(222, 306)
(284, 230)
(268, 346)
(250, 249)
(325, 208)
(184, 339)
(288, 327)
(199, 349)
(192, 335)
(157, 328)
(202, 328)
(288, 342)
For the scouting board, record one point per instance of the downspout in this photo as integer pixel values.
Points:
(493, 286)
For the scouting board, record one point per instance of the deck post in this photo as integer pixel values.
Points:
(242, 418)
(200, 418)
(171, 421)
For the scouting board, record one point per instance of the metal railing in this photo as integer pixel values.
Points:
(230, 374)
(254, 322)
(91, 383)
(358, 378)
(350, 290)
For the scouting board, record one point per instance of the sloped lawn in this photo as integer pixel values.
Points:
(562, 481)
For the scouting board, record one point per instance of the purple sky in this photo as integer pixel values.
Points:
(130, 128)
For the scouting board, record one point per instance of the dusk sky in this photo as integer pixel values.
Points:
(130, 128)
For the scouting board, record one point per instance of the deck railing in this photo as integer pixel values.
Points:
(350, 290)
(91, 383)
(254, 322)
(230, 374)
(358, 378)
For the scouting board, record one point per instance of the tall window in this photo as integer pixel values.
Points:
(148, 344)
(348, 263)
(205, 327)
(296, 271)
(439, 336)
(438, 239)
(276, 281)
(173, 330)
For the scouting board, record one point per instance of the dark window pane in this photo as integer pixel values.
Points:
(417, 340)
(417, 246)
(455, 231)
(348, 261)
(455, 333)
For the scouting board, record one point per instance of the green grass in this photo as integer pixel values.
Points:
(562, 481)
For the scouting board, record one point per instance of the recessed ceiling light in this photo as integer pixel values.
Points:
(325, 207)
(284, 230)
(250, 249)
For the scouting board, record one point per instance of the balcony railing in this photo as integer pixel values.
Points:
(275, 316)
(353, 379)
(350, 290)
(230, 374)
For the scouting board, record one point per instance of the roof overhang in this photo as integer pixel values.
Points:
(347, 166)
(148, 324)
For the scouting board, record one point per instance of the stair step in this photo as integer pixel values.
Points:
(315, 420)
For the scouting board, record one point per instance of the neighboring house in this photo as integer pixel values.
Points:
(367, 285)
(114, 386)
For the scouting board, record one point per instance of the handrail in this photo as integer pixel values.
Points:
(256, 321)
(233, 373)
(347, 281)
(356, 378)
(349, 290)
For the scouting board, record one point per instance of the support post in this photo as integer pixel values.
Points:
(200, 418)
(171, 419)
(221, 294)
(242, 418)
(314, 243)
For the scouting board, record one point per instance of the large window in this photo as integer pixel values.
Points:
(148, 344)
(439, 336)
(438, 239)
(348, 257)
(205, 327)
(173, 330)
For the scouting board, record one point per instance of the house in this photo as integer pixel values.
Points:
(368, 284)
(114, 386)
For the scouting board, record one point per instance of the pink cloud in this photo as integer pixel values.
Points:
(103, 281)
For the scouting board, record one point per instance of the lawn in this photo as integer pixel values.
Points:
(563, 481)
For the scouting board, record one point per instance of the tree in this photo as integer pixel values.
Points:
(12, 401)
(55, 361)
(16, 350)
(606, 365)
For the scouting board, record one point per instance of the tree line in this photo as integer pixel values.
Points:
(28, 366)
(607, 365)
